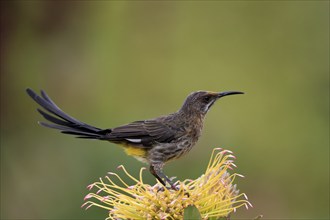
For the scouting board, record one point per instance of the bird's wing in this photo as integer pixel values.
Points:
(143, 133)
(159, 131)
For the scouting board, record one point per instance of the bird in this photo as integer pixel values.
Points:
(153, 141)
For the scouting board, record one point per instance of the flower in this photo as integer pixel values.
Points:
(214, 194)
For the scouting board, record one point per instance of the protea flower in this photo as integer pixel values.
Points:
(214, 194)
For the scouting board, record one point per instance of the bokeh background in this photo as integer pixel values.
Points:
(112, 62)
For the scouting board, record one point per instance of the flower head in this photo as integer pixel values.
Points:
(214, 194)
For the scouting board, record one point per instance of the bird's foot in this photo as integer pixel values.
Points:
(171, 187)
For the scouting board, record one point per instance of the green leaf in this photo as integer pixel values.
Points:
(258, 217)
(191, 212)
(219, 218)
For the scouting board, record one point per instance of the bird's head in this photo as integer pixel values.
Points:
(201, 101)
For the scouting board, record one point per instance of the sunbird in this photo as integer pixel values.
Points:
(153, 141)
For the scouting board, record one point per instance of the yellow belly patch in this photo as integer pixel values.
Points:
(135, 151)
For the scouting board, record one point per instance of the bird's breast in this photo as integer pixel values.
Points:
(194, 129)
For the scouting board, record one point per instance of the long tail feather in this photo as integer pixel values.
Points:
(62, 121)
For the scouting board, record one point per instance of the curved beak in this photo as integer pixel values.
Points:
(222, 94)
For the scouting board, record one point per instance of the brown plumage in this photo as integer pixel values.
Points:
(154, 141)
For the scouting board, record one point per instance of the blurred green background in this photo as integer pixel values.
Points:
(112, 62)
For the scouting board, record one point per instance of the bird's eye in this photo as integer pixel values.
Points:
(206, 98)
